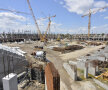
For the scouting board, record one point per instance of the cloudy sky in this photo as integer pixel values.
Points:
(68, 16)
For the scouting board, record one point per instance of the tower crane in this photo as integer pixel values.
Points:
(89, 14)
(42, 38)
(48, 28)
(39, 32)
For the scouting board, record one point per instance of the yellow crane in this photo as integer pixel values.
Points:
(58, 38)
(34, 18)
(89, 14)
(42, 37)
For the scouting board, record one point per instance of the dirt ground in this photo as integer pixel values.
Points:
(66, 82)
(58, 59)
(78, 53)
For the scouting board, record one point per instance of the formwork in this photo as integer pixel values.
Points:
(52, 77)
(38, 74)
(11, 62)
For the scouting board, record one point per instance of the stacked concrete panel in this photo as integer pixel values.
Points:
(52, 77)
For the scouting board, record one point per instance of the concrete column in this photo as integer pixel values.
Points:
(86, 72)
(92, 70)
(10, 82)
(75, 73)
(45, 84)
(97, 68)
(71, 70)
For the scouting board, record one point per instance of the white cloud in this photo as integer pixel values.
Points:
(84, 30)
(10, 21)
(100, 29)
(82, 6)
(11, 16)
(79, 30)
(106, 17)
(61, 3)
(55, 0)
(77, 6)
(13, 22)
(100, 4)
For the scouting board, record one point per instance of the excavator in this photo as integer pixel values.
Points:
(43, 38)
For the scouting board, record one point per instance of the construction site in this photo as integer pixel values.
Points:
(53, 61)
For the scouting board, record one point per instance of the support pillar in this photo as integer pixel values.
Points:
(86, 72)
(10, 82)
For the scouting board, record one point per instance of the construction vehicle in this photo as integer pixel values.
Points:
(58, 38)
(89, 14)
(103, 75)
(42, 37)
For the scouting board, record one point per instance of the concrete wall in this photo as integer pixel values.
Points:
(52, 77)
(13, 62)
(71, 70)
(101, 84)
(91, 69)
(81, 65)
(72, 63)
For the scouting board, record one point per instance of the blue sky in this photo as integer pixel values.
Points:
(68, 15)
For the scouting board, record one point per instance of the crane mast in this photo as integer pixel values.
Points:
(49, 24)
(34, 18)
(89, 14)
(89, 23)
(48, 27)
(42, 37)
